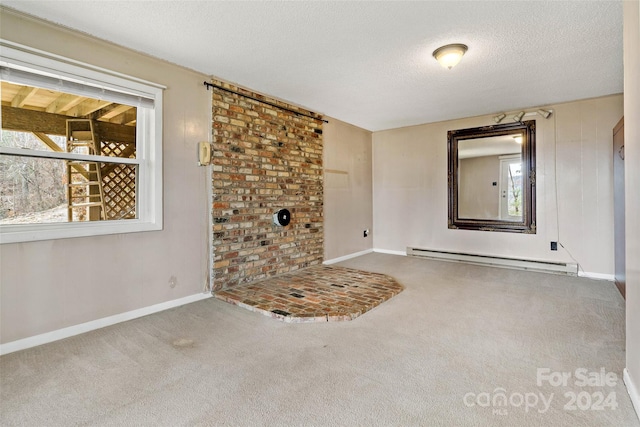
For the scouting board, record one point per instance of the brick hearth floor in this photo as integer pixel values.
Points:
(315, 294)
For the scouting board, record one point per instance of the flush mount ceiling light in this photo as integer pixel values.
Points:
(518, 117)
(518, 139)
(499, 117)
(448, 56)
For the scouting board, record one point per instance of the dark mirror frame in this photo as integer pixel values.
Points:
(528, 223)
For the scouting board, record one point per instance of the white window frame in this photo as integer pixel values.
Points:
(148, 146)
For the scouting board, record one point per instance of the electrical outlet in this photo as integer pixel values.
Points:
(366, 233)
(173, 281)
(554, 246)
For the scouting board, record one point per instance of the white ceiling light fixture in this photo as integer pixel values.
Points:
(518, 139)
(518, 117)
(448, 56)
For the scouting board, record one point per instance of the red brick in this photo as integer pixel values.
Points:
(265, 159)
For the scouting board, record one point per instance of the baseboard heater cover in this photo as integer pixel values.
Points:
(496, 261)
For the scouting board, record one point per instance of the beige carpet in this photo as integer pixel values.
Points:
(455, 333)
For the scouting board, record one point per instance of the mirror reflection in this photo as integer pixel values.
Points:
(490, 178)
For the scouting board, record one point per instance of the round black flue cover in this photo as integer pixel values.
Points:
(282, 217)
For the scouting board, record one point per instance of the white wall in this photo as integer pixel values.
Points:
(478, 197)
(632, 185)
(410, 188)
(348, 202)
(49, 285)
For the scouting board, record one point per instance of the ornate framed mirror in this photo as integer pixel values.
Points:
(492, 178)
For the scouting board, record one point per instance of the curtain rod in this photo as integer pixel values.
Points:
(297, 113)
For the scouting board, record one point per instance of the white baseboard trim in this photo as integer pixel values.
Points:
(389, 252)
(597, 276)
(633, 391)
(346, 257)
(92, 325)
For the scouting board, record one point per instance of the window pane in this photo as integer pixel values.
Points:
(51, 118)
(32, 190)
(29, 141)
(38, 190)
(515, 189)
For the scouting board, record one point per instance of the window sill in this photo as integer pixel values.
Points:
(37, 232)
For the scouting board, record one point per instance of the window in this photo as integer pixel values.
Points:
(511, 188)
(81, 149)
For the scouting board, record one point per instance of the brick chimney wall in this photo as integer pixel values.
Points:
(264, 159)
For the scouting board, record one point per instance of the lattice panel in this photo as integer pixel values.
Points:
(118, 149)
(119, 181)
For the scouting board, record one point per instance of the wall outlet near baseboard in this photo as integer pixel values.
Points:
(366, 233)
(554, 246)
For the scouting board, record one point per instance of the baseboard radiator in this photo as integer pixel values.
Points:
(496, 261)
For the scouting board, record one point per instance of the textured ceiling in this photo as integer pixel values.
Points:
(370, 63)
